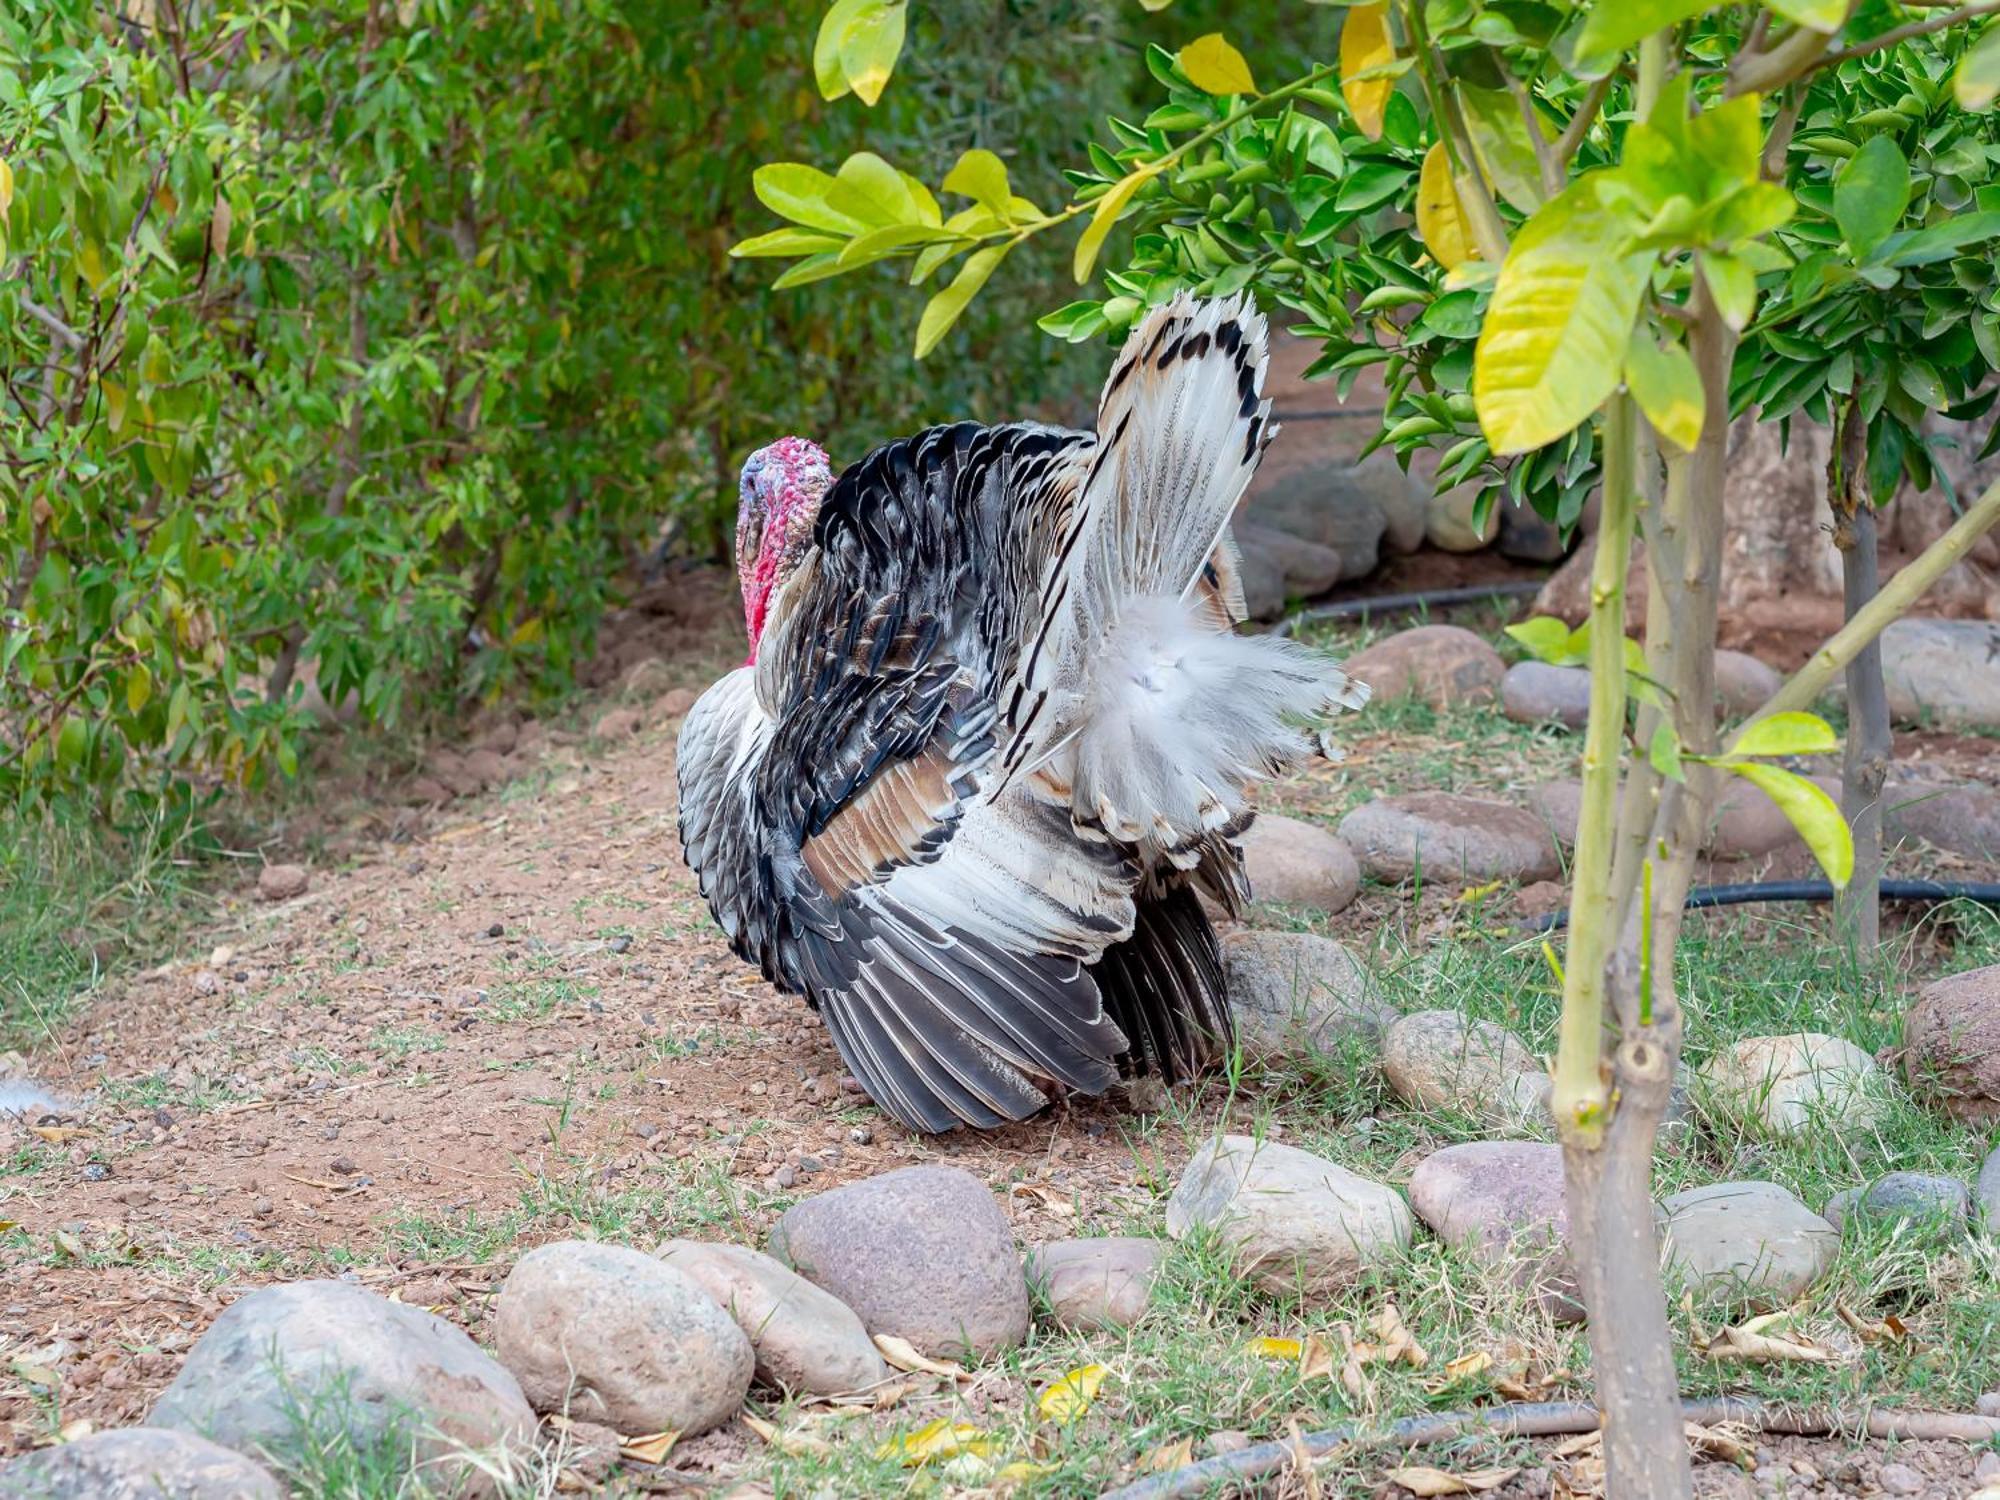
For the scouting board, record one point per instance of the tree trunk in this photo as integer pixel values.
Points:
(1864, 766)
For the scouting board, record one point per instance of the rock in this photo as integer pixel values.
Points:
(400, 1376)
(1986, 1194)
(611, 1335)
(1543, 898)
(487, 767)
(1917, 1195)
(1448, 520)
(1534, 692)
(1788, 1084)
(1097, 1283)
(1951, 1044)
(1840, 1205)
(1988, 1405)
(589, 1450)
(617, 724)
(674, 704)
(1448, 838)
(647, 677)
(1294, 993)
(1305, 568)
(923, 1253)
(1501, 1203)
(447, 769)
(1567, 593)
(1559, 804)
(1444, 665)
(423, 791)
(1299, 864)
(1746, 1243)
(1961, 820)
(1526, 537)
(1944, 672)
(500, 737)
(1746, 823)
(806, 1340)
(282, 882)
(1743, 683)
(1900, 1479)
(1263, 580)
(137, 1463)
(1343, 507)
(1437, 1059)
(1292, 1222)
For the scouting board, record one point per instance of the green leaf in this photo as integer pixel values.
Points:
(874, 193)
(1978, 77)
(785, 242)
(1554, 341)
(982, 177)
(1109, 207)
(1500, 142)
(1615, 25)
(1808, 809)
(1939, 241)
(857, 47)
(1871, 193)
(1215, 67)
(138, 688)
(943, 309)
(865, 249)
(1668, 389)
(1786, 734)
(1814, 15)
(798, 192)
(1665, 752)
(1733, 285)
(1545, 638)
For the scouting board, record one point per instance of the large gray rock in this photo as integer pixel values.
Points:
(1745, 1243)
(1444, 665)
(1437, 1059)
(1293, 863)
(1804, 1080)
(606, 1334)
(1097, 1283)
(1961, 820)
(1951, 1044)
(1526, 537)
(137, 1463)
(1534, 692)
(1501, 1203)
(923, 1253)
(807, 1341)
(1922, 1196)
(1450, 839)
(1743, 683)
(1986, 1194)
(389, 1373)
(1291, 1221)
(1343, 507)
(1746, 824)
(1304, 568)
(1293, 993)
(1944, 672)
(1449, 520)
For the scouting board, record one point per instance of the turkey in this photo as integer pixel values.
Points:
(996, 735)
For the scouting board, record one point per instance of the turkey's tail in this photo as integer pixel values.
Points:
(1135, 693)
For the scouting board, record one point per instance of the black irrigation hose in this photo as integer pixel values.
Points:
(1384, 604)
(1550, 1419)
(1811, 890)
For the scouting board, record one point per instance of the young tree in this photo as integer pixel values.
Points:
(1580, 238)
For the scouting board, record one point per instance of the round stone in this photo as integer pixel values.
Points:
(1986, 1194)
(1534, 692)
(1743, 684)
(1951, 1044)
(1450, 523)
(1749, 1244)
(606, 1334)
(282, 882)
(1796, 1082)
(806, 1340)
(1437, 1059)
(1449, 839)
(1092, 1284)
(1294, 994)
(1292, 863)
(1292, 1222)
(1944, 672)
(1444, 665)
(1920, 1196)
(1501, 1203)
(137, 1463)
(923, 1253)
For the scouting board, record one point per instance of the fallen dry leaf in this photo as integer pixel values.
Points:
(55, 1135)
(652, 1448)
(943, 1438)
(1583, 1442)
(1316, 1358)
(798, 1444)
(1419, 1479)
(903, 1355)
(1463, 1368)
(1068, 1397)
(1891, 1330)
(1720, 1443)
(1397, 1342)
(1164, 1459)
(1746, 1344)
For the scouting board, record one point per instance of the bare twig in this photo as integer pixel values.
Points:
(65, 335)
(1571, 139)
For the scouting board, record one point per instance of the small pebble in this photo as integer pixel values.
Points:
(1901, 1479)
(345, 1166)
(498, 929)
(861, 1135)
(95, 1171)
(263, 1208)
(785, 1176)
(1229, 1440)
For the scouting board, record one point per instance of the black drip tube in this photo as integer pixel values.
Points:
(1985, 894)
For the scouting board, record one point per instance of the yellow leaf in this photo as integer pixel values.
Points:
(55, 1135)
(1808, 808)
(1067, 1399)
(138, 687)
(903, 1355)
(6, 190)
(1109, 207)
(1419, 1479)
(1168, 1457)
(1440, 222)
(527, 632)
(1466, 1366)
(1275, 1348)
(1215, 67)
(943, 1438)
(857, 47)
(798, 1443)
(1364, 44)
(1480, 892)
(652, 1448)
(1664, 381)
(1020, 1472)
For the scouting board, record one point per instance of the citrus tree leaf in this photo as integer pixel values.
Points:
(1546, 638)
(1109, 207)
(794, 191)
(1871, 193)
(1665, 383)
(857, 47)
(785, 242)
(982, 177)
(1978, 77)
(1814, 15)
(1500, 141)
(1215, 67)
(1811, 811)
(1553, 344)
(1440, 223)
(945, 306)
(1364, 44)
(1068, 1398)
(1786, 734)
(1616, 25)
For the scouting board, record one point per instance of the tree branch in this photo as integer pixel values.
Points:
(65, 335)
(1579, 125)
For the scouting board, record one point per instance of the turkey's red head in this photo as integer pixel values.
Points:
(781, 489)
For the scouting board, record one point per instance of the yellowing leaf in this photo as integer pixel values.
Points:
(6, 190)
(943, 1438)
(1786, 734)
(1976, 81)
(1364, 44)
(1502, 146)
(1168, 1457)
(1420, 1479)
(1215, 67)
(857, 47)
(1463, 1368)
(56, 1135)
(945, 306)
(138, 687)
(1270, 1348)
(1814, 15)
(1667, 386)
(652, 1448)
(903, 1355)
(1552, 347)
(219, 224)
(1068, 1398)
(1440, 222)
(1808, 809)
(798, 1443)
(1109, 207)
(1020, 1471)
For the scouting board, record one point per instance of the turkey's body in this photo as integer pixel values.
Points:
(997, 734)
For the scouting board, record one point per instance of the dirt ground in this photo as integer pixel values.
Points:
(484, 1024)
